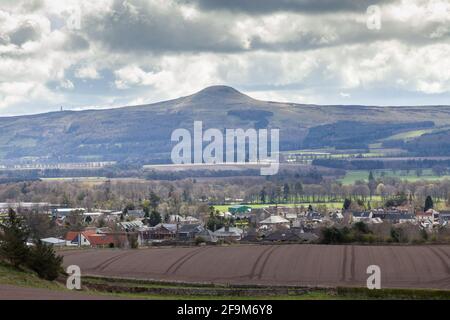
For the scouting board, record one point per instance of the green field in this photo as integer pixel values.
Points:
(408, 135)
(352, 176)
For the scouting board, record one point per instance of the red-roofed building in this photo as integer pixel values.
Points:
(91, 238)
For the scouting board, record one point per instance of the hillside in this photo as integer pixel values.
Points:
(143, 132)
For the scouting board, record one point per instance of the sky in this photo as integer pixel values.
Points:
(84, 54)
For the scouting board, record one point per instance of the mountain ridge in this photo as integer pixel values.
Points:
(142, 133)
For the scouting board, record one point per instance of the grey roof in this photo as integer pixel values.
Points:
(363, 214)
(186, 228)
(314, 215)
(53, 240)
(232, 232)
(172, 227)
(290, 235)
(208, 235)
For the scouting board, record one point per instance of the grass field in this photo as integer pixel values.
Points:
(408, 135)
(363, 175)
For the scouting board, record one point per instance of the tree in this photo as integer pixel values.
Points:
(154, 218)
(286, 192)
(13, 240)
(43, 260)
(262, 195)
(146, 208)
(75, 220)
(439, 170)
(428, 203)
(372, 184)
(154, 201)
(347, 203)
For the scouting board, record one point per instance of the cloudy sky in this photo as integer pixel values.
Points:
(108, 53)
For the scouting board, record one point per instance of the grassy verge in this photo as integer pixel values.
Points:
(401, 294)
(122, 287)
(25, 278)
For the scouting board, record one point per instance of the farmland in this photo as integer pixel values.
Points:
(352, 176)
(307, 265)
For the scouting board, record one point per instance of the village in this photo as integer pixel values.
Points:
(239, 224)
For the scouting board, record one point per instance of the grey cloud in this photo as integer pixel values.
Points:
(270, 6)
(24, 33)
(154, 31)
(32, 5)
(76, 42)
(149, 29)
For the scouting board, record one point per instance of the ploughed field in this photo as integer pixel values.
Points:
(299, 265)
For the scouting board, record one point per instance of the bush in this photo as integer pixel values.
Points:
(199, 240)
(398, 235)
(333, 235)
(133, 241)
(43, 260)
(13, 240)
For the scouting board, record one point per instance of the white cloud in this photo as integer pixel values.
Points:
(87, 73)
(160, 49)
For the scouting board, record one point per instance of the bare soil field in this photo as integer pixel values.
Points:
(299, 265)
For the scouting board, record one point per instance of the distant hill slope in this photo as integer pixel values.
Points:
(143, 132)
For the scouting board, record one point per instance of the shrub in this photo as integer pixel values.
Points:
(43, 260)
(199, 240)
(13, 240)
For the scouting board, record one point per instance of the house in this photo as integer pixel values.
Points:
(275, 221)
(54, 242)
(207, 235)
(251, 236)
(225, 214)
(131, 225)
(160, 232)
(91, 216)
(314, 216)
(64, 212)
(90, 237)
(291, 235)
(229, 233)
(78, 238)
(444, 217)
(175, 218)
(136, 213)
(395, 217)
(291, 216)
(364, 216)
(430, 216)
(106, 240)
(337, 216)
(187, 232)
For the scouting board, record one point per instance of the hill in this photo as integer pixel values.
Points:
(142, 133)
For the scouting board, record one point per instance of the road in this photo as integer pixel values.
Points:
(308, 265)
